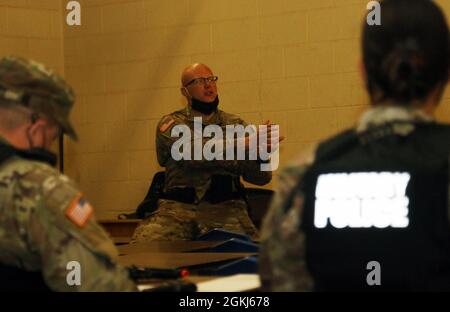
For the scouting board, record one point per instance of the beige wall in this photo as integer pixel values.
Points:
(292, 61)
(32, 28)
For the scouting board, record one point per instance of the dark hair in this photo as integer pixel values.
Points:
(408, 55)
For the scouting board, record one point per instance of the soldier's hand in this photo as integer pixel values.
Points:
(265, 135)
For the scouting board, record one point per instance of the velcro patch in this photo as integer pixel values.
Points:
(166, 125)
(79, 211)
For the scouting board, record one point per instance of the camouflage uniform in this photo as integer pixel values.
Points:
(37, 232)
(282, 259)
(181, 221)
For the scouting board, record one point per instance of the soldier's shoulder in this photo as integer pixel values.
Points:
(287, 205)
(168, 121)
(54, 201)
(290, 175)
(39, 179)
(62, 205)
(37, 186)
(230, 118)
(29, 171)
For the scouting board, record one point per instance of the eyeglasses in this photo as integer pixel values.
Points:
(202, 80)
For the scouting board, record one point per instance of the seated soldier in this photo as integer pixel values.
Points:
(49, 239)
(200, 195)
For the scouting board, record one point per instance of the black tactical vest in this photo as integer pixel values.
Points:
(412, 257)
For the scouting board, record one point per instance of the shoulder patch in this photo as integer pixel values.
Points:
(79, 210)
(166, 125)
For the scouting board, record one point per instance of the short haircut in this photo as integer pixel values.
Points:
(12, 116)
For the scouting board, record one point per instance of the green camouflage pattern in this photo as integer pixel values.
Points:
(165, 224)
(36, 235)
(31, 84)
(179, 221)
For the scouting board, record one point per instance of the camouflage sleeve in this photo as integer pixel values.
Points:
(64, 233)
(251, 169)
(282, 255)
(164, 142)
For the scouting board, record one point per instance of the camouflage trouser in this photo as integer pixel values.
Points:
(179, 221)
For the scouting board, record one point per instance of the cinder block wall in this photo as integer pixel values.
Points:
(294, 62)
(32, 28)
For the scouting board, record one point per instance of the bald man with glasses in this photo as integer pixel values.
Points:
(200, 195)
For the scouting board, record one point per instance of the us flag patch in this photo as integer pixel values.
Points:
(79, 211)
(166, 125)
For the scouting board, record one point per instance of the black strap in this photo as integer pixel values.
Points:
(185, 195)
(222, 188)
(8, 151)
(150, 202)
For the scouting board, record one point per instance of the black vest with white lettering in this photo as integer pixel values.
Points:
(413, 256)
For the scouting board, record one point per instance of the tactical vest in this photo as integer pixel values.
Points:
(347, 221)
(15, 279)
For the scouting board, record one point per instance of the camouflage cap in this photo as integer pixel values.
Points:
(31, 84)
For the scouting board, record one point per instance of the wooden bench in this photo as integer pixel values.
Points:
(120, 230)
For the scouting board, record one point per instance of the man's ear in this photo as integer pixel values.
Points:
(34, 132)
(38, 125)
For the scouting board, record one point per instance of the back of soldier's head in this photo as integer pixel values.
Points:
(30, 86)
(406, 57)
